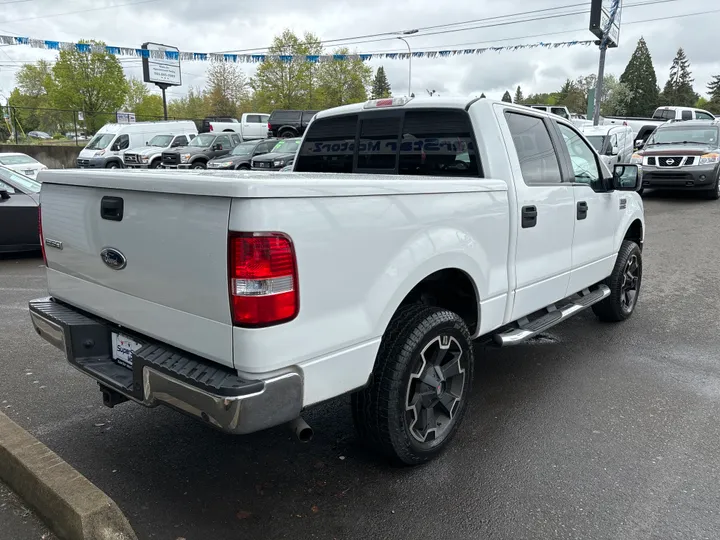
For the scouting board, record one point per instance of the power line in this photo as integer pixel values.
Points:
(393, 35)
(78, 11)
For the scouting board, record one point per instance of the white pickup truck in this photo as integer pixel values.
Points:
(250, 126)
(409, 229)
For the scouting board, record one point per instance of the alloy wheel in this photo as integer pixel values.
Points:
(630, 282)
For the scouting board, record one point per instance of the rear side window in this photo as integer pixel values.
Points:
(560, 111)
(329, 145)
(285, 117)
(180, 140)
(419, 142)
(538, 160)
(687, 115)
(704, 116)
(307, 116)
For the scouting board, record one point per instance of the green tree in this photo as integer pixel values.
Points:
(340, 82)
(678, 89)
(226, 90)
(541, 99)
(136, 93)
(193, 106)
(150, 108)
(284, 84)
(507, 97)
(519, 99)
(616, 97)
(380, 85)
(31, 100)
(713, 89)
(91, 82)
(641, 82)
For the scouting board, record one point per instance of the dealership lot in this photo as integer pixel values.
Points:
(593, 431)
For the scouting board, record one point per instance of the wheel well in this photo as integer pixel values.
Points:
(450, 289)
(228, 131)
(635, 233)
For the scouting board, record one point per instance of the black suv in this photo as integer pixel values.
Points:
(287, 124)
(683, 155)
(201, 149)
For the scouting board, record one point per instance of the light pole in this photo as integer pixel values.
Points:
(407, 33)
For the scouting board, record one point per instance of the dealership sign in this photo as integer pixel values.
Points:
(161, 71)
(605, 20)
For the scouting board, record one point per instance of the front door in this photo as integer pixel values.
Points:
(546, 210)
(596, 213)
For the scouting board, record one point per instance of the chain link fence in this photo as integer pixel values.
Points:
(39, 125)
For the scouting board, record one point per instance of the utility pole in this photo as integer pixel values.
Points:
(605, 24)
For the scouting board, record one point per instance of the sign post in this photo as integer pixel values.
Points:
(605, 24)
(162, 69)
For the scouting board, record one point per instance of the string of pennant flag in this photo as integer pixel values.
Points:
(258, 58)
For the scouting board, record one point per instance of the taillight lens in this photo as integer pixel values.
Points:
(269, 126)
(211, 128)
(263, 279)
(42, 238)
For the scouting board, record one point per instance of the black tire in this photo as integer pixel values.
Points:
(714, 193)
(199, 165)
(113, 165)
(624, 293)
(380, 411)
(243, 168)
(287, 134)
(154, 164)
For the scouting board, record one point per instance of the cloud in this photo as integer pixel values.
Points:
(228, 24)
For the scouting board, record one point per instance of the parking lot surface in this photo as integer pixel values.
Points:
(592, 431)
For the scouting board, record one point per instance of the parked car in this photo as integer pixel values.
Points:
(19, 201)
(150, 155)
(242, 155)
(643, 127)
(242, 301)
(200, 151)
(613, 143)
(250, 126)
(106, 149)
(21, 163)
(39, 135)
(286, 124)
(282, 155)
(683, 156)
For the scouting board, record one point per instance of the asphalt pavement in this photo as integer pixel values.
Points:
(593, 431)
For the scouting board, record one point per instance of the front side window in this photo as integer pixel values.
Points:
(180, 141)
(122, 142)
(223, 141)
(538, 160)
(203, 141)
(235, 139)
(584, 164)
(100, 141)
(560, 111)
(253, 119)
(160, 140)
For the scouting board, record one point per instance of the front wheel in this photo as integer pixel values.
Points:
(714, 193)
(420, 385)
(624, 284)
(113, 165)
(199, 165)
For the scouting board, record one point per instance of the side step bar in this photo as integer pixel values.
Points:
(555, 314)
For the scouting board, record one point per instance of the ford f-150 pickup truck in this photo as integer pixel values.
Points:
(408, 229)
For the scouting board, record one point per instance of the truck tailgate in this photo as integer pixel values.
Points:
(173, 286)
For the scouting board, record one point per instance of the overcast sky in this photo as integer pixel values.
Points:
(244, 24)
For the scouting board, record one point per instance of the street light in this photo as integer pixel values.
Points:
(407, 33)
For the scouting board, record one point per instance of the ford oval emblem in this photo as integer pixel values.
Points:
(113, 258)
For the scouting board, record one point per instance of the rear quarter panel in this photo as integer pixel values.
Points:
(357, 259)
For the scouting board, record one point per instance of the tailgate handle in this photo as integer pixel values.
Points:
(111, 208)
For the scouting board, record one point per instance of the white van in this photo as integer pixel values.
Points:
(613, 143)
(105, 150)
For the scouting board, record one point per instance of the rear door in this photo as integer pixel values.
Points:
(545, 204)
(596, 213)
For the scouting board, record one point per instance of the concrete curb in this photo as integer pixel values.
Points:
(73, 507)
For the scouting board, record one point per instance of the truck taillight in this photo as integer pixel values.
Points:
(263, 279)
(210, 126)
(269, 126)
(40, 233)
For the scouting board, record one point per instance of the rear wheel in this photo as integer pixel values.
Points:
(287, 134)
(420, 386)
(624, 284)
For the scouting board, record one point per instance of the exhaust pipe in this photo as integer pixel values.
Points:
(301, 429)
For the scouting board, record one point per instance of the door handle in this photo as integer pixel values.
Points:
(111, 208)
(582, 210)
(529, 216)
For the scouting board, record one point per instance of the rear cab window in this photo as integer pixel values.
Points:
(422, 142)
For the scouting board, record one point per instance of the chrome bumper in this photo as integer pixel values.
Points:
(162, 376)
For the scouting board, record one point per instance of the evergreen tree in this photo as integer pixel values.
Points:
(641, 82)
(678, 89)
(380, 85)
(507, 97)
(519, 98)
(713, 88)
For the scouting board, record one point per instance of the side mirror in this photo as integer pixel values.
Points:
(147, 143)
(4, 194)
(614, 151)
(217, 147)
(626, 177)
(639, 143)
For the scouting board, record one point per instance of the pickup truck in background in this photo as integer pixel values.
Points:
(150, 155)
(288, 124)
(198, 152)
(643, 127)
(410, 228)
(250, 126)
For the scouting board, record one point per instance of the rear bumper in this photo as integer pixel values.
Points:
(163, 375)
